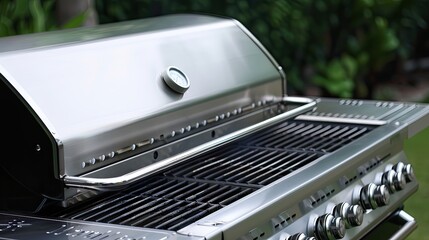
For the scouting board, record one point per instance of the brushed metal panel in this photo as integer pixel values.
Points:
(91, 84)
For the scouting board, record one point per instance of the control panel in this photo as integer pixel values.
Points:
(366, 202)
(19, 227)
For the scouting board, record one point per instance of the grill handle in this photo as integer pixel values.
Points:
(114, 183)
(397, 226)
(409, 224)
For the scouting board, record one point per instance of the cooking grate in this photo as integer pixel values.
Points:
(305, 136)
(243, 165)
(178, 197)
(160, 203)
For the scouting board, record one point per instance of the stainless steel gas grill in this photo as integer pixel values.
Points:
(179, 127)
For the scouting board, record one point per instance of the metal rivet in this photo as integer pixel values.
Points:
(111, 154)
(38, 148)
(102, 157)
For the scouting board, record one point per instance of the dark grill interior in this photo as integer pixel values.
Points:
(180, 196)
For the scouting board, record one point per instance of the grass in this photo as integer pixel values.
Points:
(417, 151)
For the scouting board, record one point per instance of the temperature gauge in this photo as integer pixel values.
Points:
(176, 79)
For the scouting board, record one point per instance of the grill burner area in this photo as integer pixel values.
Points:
(182, 195)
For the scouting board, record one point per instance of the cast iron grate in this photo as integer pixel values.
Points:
(160, 202)
(204, 184)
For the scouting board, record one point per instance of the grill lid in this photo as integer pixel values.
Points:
(100, 91)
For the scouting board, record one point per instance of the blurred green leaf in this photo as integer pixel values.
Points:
(21, 9)
(337, 76)
(29, 16)
(38, 15)
(4, 30)
(77, 21)
(5, 26)
(350, 65)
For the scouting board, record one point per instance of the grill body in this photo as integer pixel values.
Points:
(108, 148)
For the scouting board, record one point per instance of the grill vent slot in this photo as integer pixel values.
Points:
(322, 195)
(204, 184)
(285, 221)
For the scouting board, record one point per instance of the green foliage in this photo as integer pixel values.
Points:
(337, 45)
(30, 16)
(337, 75)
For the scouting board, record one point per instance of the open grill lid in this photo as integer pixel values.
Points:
(101, 91)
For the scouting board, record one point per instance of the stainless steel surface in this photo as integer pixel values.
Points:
(413, 114)
(176, 79)
(394, 181)
(341, 120)
(118, 81)
(351, 214)
(407, 228)
(397, 226)
(25, 227)
(232, 157)
(249, 163)
(329, 227)
(371, 217)
(300, 236)
(406, 170)
(373, 196)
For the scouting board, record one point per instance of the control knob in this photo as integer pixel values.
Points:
(394, 181)
(300, 236)
(406, 169)
(373, 196)
(329, 227)
(351, 214)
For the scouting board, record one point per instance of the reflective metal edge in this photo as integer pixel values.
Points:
(126, 179)
(341, 120)
(409, 226)
(18, 226)
(267, 53)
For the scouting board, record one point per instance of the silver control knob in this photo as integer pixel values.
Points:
(394, 181)
(351, 214)
(300, 236)
(373, 196)
(329, 227)
(406, 169)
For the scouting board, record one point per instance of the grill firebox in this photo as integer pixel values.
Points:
(177, 197)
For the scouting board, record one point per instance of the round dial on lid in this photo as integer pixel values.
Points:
(176, 79)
